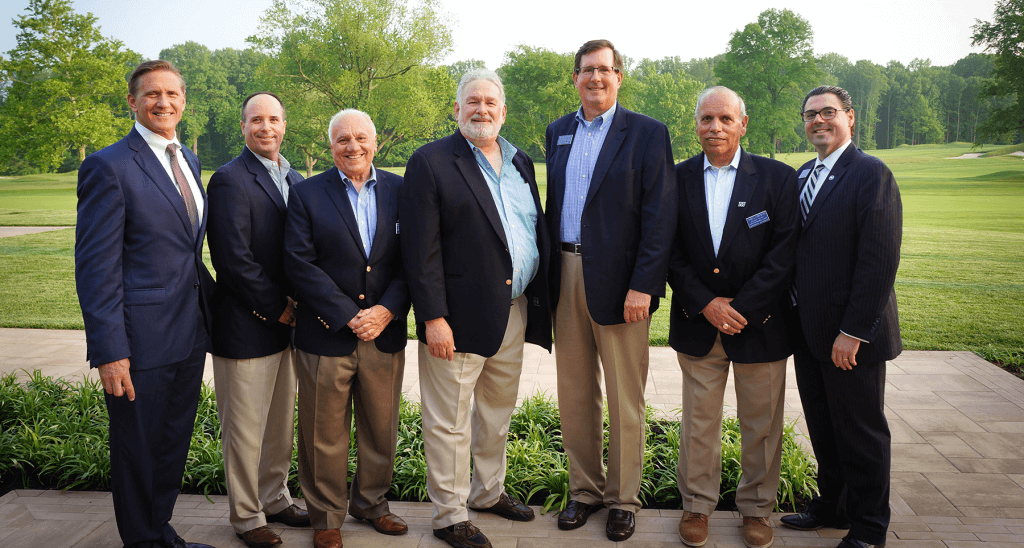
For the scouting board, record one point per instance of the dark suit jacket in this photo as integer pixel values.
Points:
(753, 267)
(847, 256)
(456, 257)
(629, 215)
(246, 235)
(332, 277)
(139, 272)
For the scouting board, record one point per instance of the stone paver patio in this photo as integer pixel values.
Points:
(957, 468)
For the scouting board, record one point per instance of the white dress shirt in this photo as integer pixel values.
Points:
(159, 146)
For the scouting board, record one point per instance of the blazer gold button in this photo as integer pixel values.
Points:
(361, 297)
(508, 282)
(367, 269)
(716, 271)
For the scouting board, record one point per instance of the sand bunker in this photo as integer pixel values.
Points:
(967, 156)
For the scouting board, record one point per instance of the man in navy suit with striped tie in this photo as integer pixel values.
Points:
(845, 323)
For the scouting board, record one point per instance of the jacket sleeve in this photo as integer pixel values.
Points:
(658, 215)
(420, 214)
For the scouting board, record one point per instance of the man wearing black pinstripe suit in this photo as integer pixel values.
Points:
(845, 322)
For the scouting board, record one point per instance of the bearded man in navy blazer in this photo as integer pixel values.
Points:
(475, 248)
(845, 322)
(730, 276)
(253, 369)
(611, 208)
(342, 257)
(144, 291)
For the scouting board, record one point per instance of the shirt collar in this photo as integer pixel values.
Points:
(369, 182)
(831, 159)
(507, 150)
(281, 163)
(154, 140)
(735, 163)
(605, 117)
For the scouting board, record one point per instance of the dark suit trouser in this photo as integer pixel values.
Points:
(149, 441)
(850, 436)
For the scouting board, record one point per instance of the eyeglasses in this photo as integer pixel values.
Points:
(603, 71)
(826, 113)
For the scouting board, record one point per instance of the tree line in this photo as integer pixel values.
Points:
(62, 87)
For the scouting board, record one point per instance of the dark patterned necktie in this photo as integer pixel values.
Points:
(186, 190)
(806, 195)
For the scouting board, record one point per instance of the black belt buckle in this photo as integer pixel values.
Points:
(575, 249)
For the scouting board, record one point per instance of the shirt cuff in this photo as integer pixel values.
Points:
(852, 337)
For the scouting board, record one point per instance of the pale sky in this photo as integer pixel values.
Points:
(877, 30)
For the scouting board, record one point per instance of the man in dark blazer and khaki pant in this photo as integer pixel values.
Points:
(730, 274)
(342, 256)
(845, 322)
(611, 213)
(253, 371)
(145, 294)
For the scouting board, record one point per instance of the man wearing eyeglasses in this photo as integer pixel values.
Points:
(844, 323)
(611, 212)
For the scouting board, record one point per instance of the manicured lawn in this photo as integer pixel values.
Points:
(960, 284)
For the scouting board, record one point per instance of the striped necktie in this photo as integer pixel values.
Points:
(186, 191)
(808, 193)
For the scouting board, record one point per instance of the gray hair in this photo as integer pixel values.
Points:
(345, 113)
(480, 74)
(714, 91)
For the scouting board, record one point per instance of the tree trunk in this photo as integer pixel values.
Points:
(195, 145)
(310, 162)
(81, 154)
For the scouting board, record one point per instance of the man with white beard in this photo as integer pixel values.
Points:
(475, 252)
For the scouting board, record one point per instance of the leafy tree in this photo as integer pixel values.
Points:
(64, 88)
(663, 90)
(703, 70)
(538, 90)
(771, 65)
(866, 83)
(1005, 37)
(365, 54)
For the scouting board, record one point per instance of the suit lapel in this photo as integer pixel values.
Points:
(834, 177)
(696, 199)
(383, 194)
(263, 178)
(337, 190)
(151, 166)
(467, 164)
(557, 171)
(742, 190)
(612, 142)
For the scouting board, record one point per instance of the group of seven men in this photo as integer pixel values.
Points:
(315, 280)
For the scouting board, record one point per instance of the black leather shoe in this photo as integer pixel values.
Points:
(854, 543)
(509, 508)
(805, 521)
(463, 535)
(576, 514)
(293, 516)
(180, 543)
(621, 525)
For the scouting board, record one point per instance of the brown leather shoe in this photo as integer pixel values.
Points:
(509, 508)
(389, 524)
(260, 537)
(693, 529)
(327, 538)
(757, 532)
(293, 516)
(575, 514)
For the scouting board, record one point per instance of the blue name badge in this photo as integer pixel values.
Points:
(759, 219)
(564, 140)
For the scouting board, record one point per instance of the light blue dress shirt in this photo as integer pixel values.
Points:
(579, 169)
(718, 185)
(518, 213)
(278, 172)
(364, 205)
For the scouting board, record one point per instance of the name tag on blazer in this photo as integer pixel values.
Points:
(759, 219)
(564, 140)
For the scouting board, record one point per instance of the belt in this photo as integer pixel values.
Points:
(576, 249)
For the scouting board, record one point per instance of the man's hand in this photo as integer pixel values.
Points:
(440, 340)
(637, 307)
(288, 316)
(722, 315)
(116, 380)
(844, 351)
(369, 323)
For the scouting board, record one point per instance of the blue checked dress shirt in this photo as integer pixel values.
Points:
(518, 213)
(364, 205)
(579, 169)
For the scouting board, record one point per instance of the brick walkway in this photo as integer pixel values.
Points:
(957, 469)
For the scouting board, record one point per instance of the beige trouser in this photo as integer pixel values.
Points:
(760, 389)
(582, 348)
(370, 381)
(451, 432)
(256, 404)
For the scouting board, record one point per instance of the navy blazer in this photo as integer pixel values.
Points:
(246, 235)
(139, 272)
(847, 257)
(754, 263)
(629, 215)
(456, 257)
(332, 276)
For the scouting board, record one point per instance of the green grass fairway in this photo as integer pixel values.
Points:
(960, 285)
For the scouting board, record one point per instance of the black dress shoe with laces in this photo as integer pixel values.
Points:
(621, 525)
(179, 542)
(509, 508)
(854, 543)
(293, 516)
(806, 521)
(463, 535)
(575, 514)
